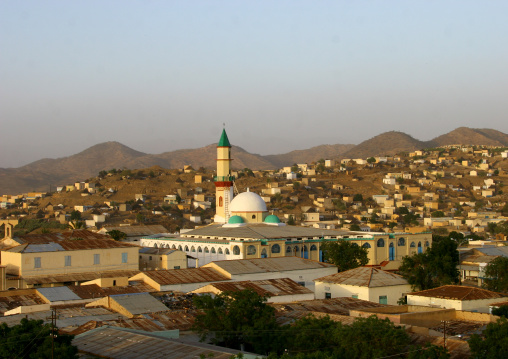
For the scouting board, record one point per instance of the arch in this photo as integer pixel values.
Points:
(354, 244)
(213, 250)
(380, 242)
(305, 252)
(193, 249)
(313, 248)
(186, 248)
(401, 242)
(413, 245)
(226, 251)
(366, 245)
(220, 201)
(200, 250)
(251, 250)
(391, 252)
(420, 247)
(253, 216)
(288, 249)
(236, 250)
(155, 245)
(275, 248)
(264, 254)
(427, 244)
(219, 251)
(179, 247)
(207, 250)
(173, 246)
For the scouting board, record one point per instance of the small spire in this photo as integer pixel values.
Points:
(224, 141)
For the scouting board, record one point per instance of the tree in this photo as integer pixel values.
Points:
(433, 268)
(235, 318)
(354, 227)
(291, 220)
(501, 311)
(116, 234)
(371, 160)
(75, 215)
(494, 343)
(496, 275)
(437, 214)
(358, 197)
(32, 339)
(429, 351)
(294, 168)
(345, 255)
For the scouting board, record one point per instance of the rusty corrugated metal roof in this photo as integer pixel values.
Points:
(364, 277)
(188, 275)
(14, 299)
(459, 293)
(340, 305)
(78, 277)
(59, 236)
(269, 287)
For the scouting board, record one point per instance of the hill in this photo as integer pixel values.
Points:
(472, 136)
(39, 175)
(388, 143)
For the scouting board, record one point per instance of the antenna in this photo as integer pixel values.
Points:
(223, 125)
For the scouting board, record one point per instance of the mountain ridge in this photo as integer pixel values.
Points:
(39, 175)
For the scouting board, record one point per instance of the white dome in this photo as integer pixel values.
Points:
(248, 202)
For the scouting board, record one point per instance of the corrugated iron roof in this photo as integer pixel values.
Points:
(139, 303)
(188, 275)
(364, 277)
(69, 245)
(459, 293)
(261, 230)
(340, 305)
(263, 265)
(18, 298)
(269, 287)
(126, 344)
(137, 231)
(59, 236)
(56, 294)
(152, 250)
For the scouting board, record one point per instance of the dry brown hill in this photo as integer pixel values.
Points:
(472, 136)
(388, 143)
(309, 155)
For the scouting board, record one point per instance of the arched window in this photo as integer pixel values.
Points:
(193, 249)
(296, 250)
(413, 245)
(207, 250)
(219, 251)
(226, 251)
(213, 250)
(354, 244)
(263, 253)
(180, 248)
(200, 250)
(186, 248)
(288, 249)
(420, 247)
(313, 248)
(155, 245)
(236, 250)
(427, 243)
(366, 245)
(173, 246)
(220, 201)
(251, 250)
(402, 242)
(253, 216)
(380, 242)
(275, 248)
(391, 252)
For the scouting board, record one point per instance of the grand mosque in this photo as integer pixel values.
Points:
(244, 229)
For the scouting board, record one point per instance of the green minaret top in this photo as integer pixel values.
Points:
(224, 141)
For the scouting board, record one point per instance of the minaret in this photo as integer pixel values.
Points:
(223, 180)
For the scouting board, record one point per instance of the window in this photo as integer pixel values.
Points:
(275, 248)
(220, 201)
(37, 262)
(236, 250)
(366, 245)
(301, 283)
(226, 251)
(67, 261)
(213, 250)
(150, 258)
(383, 299)
(402, 242)
(380, 242)
(97, 259)
(251, 250)
(219, 251)
(124, 257)
(328, 295)
(354, 296)
(313, 248)
(200, 250)
(114, 282)
(176, 267)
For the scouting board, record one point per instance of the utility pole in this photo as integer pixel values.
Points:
(53, 326)
(444, 333)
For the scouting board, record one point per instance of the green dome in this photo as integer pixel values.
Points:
(272, 219)
(235, 220)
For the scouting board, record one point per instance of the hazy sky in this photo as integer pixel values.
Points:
(283, 75)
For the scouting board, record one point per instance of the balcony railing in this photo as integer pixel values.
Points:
(224, 178)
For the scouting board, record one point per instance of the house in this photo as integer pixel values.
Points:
(456, 297)
(130, 305)
(67, 261)
(181, 280)
(161, 258)
(366, 283)
(277, 290)
(303, 271)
